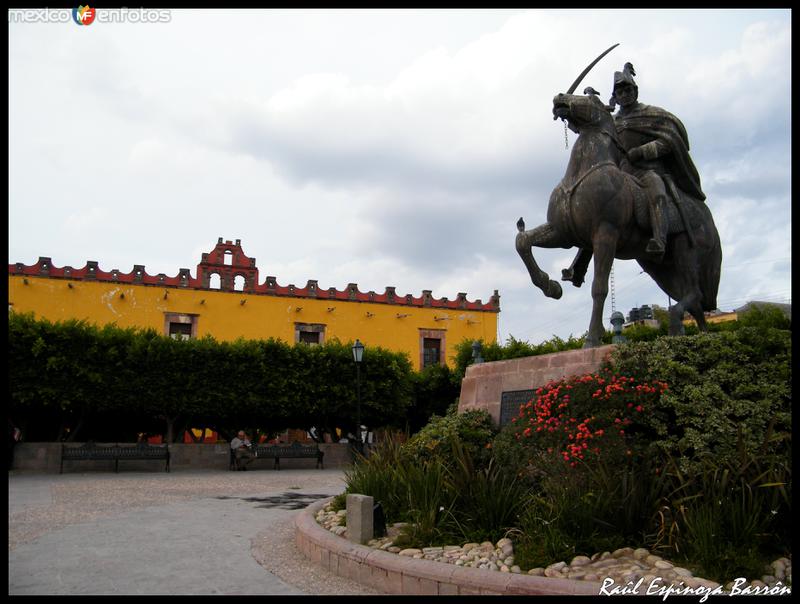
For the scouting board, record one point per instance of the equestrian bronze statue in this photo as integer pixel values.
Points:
(630, 191)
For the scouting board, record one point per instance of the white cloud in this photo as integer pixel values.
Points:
(94, 217)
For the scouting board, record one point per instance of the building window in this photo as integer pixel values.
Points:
(309, 333)
(432, 347)
(310, 337)
(180, 331)
(180, 326)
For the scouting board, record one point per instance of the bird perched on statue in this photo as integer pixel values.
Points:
(628, 68)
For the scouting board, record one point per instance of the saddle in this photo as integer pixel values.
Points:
(675, 222)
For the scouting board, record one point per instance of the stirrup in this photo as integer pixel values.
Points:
(655, 249)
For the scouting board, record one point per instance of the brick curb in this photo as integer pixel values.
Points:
(395, 574)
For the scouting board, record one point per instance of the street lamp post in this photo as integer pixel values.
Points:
(476, 352)
(358, 355)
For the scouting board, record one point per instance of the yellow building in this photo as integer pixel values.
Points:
(712, 316)
(226, 300)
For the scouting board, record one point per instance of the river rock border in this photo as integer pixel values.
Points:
(402, 575)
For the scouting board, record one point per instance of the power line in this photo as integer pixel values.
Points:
(774, 297)
(727, 266)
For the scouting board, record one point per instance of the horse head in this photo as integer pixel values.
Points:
(583, 112)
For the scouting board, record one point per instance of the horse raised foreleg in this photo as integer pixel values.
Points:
(542, 236)
(604, 246)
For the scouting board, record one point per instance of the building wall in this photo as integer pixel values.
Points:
(484, 384)
(45, 457)
(399, 325)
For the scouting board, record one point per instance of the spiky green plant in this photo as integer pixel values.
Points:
(488, 500)
(732, 515)
(429, 503)
(377, 476)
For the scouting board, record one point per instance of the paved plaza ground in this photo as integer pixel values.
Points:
(150, 533)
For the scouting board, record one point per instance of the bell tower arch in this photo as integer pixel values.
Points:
(229, 261)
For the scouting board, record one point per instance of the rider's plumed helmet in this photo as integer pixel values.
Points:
(625, 76)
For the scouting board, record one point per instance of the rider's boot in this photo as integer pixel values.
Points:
(577, 270)
(657, 245)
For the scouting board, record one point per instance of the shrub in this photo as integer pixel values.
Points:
(441, 502)
(473, 428)
(727, 391)
(75, 377)
(428, 503)
(434, 391)
(585, 452)
(709, 477)
(378, 476)
(765, 317)
(699, 470)
(339, 502)
(509, 453)
(586, 417)
(488, 500)
(731, 515)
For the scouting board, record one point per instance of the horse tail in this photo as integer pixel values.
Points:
(710, 268)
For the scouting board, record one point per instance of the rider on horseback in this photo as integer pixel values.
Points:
(657, 154)
(658, 150)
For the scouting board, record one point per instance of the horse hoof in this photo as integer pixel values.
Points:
(554, 290)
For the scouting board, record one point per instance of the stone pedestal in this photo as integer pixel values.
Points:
(359, 518)
(484, 384)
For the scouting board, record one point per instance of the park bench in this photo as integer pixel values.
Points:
(277, 452)
(90, 451)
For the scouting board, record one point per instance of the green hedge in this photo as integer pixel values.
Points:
(727, 391)
(112, 383)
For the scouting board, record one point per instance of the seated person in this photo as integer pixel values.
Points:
(242, 451)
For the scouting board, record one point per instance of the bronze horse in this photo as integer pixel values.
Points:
(599, 207)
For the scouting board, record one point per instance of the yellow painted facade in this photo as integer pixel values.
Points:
(400, 326)
(713, 318)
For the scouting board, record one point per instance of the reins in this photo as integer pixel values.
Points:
(569, 190)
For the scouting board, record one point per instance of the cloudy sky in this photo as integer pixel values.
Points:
(383, 147)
